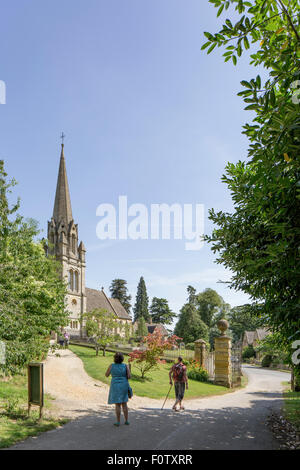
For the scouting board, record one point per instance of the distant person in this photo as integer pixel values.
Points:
(178, 371)
(118, 392)
(61, 340)
(66, 340)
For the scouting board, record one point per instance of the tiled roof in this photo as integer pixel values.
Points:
(120, 310)
(249, 336)
(97, 299)
(153, 326)
(262, 333)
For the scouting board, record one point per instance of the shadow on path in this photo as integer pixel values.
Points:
(155, 429)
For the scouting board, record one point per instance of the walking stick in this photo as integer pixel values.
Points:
(167, 396)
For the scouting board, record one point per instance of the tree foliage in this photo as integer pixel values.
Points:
(161, 312)
(211, 307)
(141, 307)
(150, 358)
(259, 241)
(118, 290)
(142, 329)
(31, 291)
(241, 319)
(190, 327)
(100, 328)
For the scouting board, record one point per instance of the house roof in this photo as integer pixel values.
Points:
(259, 333)
(97, 299)
(153, 326)
(249, 336)
(262, 333)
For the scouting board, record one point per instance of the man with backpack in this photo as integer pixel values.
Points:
(180, 379)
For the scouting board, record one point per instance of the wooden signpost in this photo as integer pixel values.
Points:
(36, 385)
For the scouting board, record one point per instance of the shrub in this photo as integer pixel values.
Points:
(201, 375)
(196, 372)
(267, 360)
(190, 346)
(248, 352)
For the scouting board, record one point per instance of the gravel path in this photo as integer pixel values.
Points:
(236, 420)
(75, 392)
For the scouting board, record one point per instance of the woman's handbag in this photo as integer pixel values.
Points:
(130, 392)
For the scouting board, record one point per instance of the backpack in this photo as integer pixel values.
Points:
(178, 372)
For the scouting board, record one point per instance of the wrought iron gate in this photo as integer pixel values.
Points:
(236, 365)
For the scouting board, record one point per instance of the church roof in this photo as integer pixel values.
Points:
(97, 299)
(62, 205)
(118, 307)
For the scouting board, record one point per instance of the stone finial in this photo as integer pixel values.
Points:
(223, 326)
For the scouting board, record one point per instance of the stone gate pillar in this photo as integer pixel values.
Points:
(223, 356)
(200, 351)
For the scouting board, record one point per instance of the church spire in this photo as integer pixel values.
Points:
(62, 205)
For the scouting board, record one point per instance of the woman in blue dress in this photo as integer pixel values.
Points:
(118, 392)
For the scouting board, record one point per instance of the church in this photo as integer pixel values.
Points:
(63, 243)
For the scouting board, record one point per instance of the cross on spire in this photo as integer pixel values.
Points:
(62, 138)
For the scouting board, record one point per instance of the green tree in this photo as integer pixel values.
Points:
(191, 295)
(142, 329)
(31, 291)
(141, 308)
(190, 327)
(241, 319)
(118, 290)
(259, 241)
(161, 312)
(100, 328)
(209, 306)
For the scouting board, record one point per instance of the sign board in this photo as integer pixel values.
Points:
(36, 384)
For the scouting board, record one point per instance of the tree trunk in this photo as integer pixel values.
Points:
(97, 350)
(103, 351)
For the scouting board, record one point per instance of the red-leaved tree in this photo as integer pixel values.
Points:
(150, 358)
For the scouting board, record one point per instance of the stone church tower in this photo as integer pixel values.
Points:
(63, 238)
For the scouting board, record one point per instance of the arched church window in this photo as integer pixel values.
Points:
(71, 280)
(76, 280)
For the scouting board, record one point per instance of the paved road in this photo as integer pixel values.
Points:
(233, 421)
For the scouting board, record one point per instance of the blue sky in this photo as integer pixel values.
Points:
(146, 114)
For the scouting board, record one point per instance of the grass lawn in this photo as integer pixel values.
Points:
(14, 423)
(292, 407)
(156, 385)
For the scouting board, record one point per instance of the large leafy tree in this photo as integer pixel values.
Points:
(118, 290)
(141, 307)
(210, 306)
(161, 312)
(190, 327)
(259, 241)
(31, 290)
